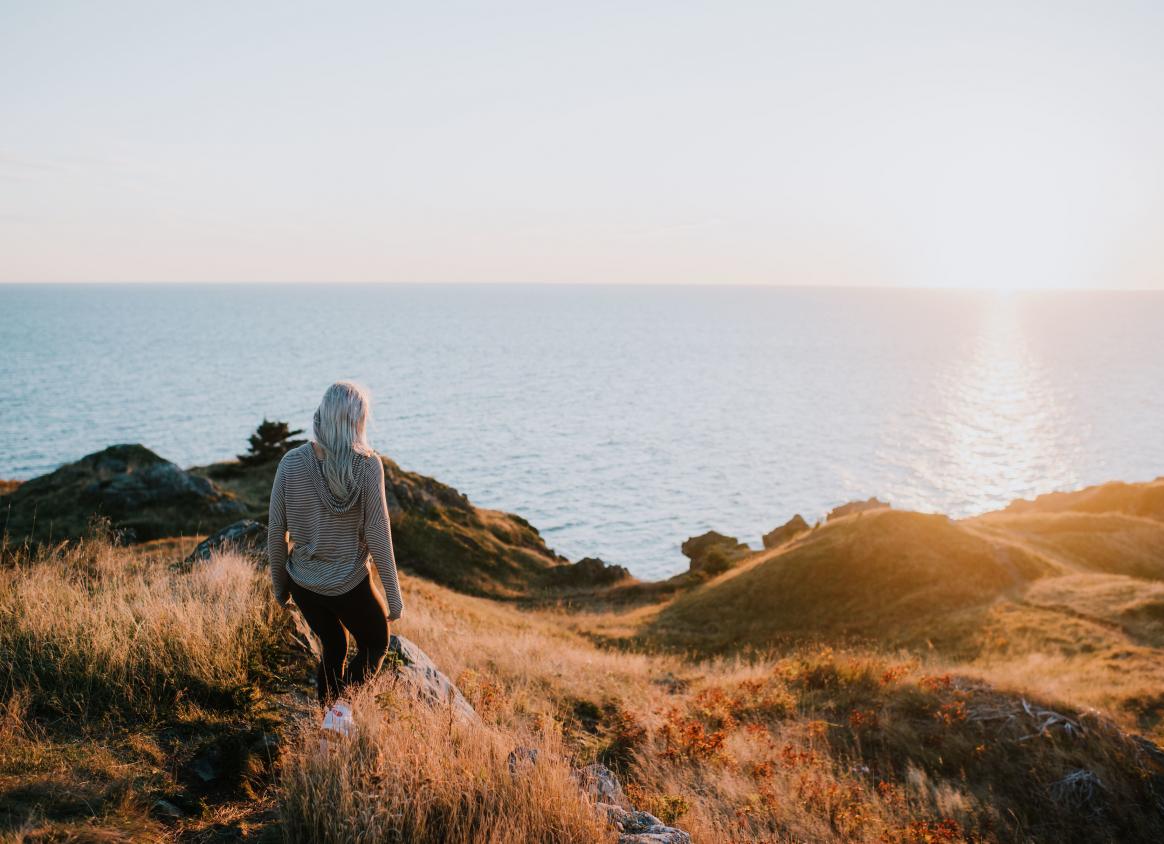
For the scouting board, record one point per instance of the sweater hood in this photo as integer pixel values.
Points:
(330, 500)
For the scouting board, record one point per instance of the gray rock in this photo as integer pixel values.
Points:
(628, 820)
(166, 810)
(423, 679)
(633, 826)
(789, 530)
(205, 767)
(656, 835)
(601, 784)
(638, 827)
(246, 536)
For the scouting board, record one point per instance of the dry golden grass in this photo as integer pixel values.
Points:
(411, 773)
(115, 667)
(797, 744)
(94, 628)
(809, 745)
(1115, 543)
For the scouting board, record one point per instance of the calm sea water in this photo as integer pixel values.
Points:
(619, 420)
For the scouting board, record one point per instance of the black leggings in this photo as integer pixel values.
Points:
(361, 611)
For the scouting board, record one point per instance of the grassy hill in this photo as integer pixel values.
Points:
(897, 577)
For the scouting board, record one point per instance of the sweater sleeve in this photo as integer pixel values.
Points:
(378, 535)
(277, 537)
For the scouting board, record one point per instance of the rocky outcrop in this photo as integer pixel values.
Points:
(711, 553)
(143, 495)
(245, 536)
(786, 532)
(857, 507)
(587, 572)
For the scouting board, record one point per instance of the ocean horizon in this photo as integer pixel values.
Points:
(618, 420)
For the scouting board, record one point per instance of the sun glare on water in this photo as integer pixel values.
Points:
(1002, 418)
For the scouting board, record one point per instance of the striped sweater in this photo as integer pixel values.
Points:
(331, 538)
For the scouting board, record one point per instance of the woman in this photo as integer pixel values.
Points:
(329, 495)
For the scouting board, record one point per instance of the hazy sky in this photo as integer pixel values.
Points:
(1012, 144)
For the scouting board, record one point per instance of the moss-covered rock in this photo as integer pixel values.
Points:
(143, 495)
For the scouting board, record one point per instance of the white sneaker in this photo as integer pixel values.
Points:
(337, 724)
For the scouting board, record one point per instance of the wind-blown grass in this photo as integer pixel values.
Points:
(105, 652)
(412, 773)
(96, 628)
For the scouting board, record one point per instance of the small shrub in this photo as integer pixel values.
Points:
(270, 441)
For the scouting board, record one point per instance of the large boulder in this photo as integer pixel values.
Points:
(786, 532)
(143, 495)
(246, 536)
(712, 552)
(857, 507)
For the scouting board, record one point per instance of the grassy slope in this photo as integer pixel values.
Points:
(810, 744)
(896, 577)
(958, 639)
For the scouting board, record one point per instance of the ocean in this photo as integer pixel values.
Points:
(618, 419)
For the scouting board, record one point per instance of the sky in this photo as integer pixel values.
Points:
(976, 144)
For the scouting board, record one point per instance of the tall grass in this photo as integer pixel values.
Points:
(412, 773)
(97, 629)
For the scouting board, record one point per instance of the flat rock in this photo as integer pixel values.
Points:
(166, 810)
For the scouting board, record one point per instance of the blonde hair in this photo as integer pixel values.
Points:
(340, 428)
